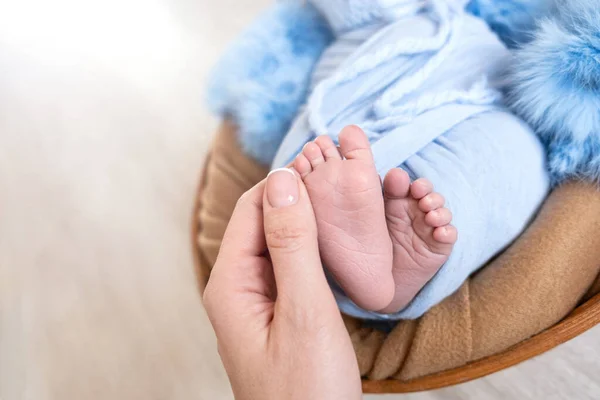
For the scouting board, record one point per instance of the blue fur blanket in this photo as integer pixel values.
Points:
(262, 80)
(557, 89)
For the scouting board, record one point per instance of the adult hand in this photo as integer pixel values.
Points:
(280, 334)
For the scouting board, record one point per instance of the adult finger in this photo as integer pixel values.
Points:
(244, 235)
(291, 236)
(240, 274)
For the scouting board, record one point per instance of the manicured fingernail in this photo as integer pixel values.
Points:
(282, 188)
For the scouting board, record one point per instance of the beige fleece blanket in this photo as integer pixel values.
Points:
(533, 285)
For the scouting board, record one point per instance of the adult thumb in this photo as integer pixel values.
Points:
(291, 236)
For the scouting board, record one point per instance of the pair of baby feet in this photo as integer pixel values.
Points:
(381, 247)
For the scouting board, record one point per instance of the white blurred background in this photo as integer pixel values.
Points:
(102, 135)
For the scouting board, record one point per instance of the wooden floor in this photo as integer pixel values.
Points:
(102, 134)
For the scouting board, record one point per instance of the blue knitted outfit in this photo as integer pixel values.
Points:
(424, 81)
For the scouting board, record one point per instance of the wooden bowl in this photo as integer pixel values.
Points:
(584, 317)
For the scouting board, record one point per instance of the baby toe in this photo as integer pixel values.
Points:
(396, 184)
(438, 218)
(354, 144)
(421, 188)
(314, 154)
(328, 148)
(431, 202)
(302, 165)
(446, 234)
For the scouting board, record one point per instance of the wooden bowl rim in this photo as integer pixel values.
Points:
(583, 318)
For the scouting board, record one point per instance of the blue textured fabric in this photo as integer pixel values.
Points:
(557, 89)
(512, 20)
(262, 79)
(425, 88)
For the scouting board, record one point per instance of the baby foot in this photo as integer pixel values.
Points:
(381, 253)
(345, 191)
(422, 237)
